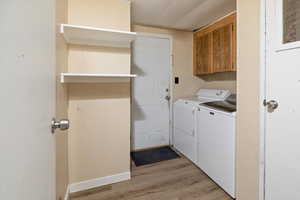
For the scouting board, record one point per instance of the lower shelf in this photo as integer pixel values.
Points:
(96, 78)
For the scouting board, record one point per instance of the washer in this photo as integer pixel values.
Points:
(216, 142)
(185, 137)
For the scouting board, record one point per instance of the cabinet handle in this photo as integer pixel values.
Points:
(211, 113)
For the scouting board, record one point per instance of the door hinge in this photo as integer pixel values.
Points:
(265, 103)
(172, 60)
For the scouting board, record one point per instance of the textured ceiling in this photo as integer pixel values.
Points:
(180, 14)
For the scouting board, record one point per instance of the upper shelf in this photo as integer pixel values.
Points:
(96, 78)
(84, 35)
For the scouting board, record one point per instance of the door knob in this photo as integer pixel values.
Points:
(63, 125)
(271, 105)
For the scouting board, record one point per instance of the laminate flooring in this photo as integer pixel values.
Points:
(176, 179)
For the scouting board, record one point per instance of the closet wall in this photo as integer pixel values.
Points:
(248, 175)
(99, 136)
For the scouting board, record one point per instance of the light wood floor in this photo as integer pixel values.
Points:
(176, 179)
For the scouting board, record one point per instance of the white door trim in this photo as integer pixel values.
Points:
(67, 195)
(170, 38)
(262, 110)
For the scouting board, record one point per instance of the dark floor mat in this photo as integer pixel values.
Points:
(153, 156)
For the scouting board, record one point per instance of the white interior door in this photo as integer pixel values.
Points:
(283, 86)
(151, 109)
(27, 99)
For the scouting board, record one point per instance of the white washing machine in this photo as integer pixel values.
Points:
(184, 119)
(216, 142)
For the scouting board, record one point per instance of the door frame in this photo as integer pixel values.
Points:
(262, 97)
(171, 86)
(264, 48)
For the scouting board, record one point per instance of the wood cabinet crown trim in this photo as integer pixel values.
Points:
(218, 24)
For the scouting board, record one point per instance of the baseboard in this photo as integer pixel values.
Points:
(98, 182)
(67, 194)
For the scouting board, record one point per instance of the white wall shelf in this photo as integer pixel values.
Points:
(96, 78)
(84, 35)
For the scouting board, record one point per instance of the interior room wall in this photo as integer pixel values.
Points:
(226, 81)
(99, 136)
(248, 115)
(114, 14)
(62, 172)
(183, 64)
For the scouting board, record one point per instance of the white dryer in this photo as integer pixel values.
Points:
(184, 120)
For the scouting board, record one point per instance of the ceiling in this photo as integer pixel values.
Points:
(180, 14)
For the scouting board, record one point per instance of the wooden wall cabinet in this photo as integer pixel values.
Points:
(203, 53)
(215, 47)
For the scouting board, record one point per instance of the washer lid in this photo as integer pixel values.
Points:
(216, 95)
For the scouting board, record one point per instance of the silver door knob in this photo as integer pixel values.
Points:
(271, 105)
(63, 125)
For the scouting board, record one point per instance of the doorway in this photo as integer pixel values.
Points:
(151, 92)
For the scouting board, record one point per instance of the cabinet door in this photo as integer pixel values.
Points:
(202, 53)
(223, 46)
